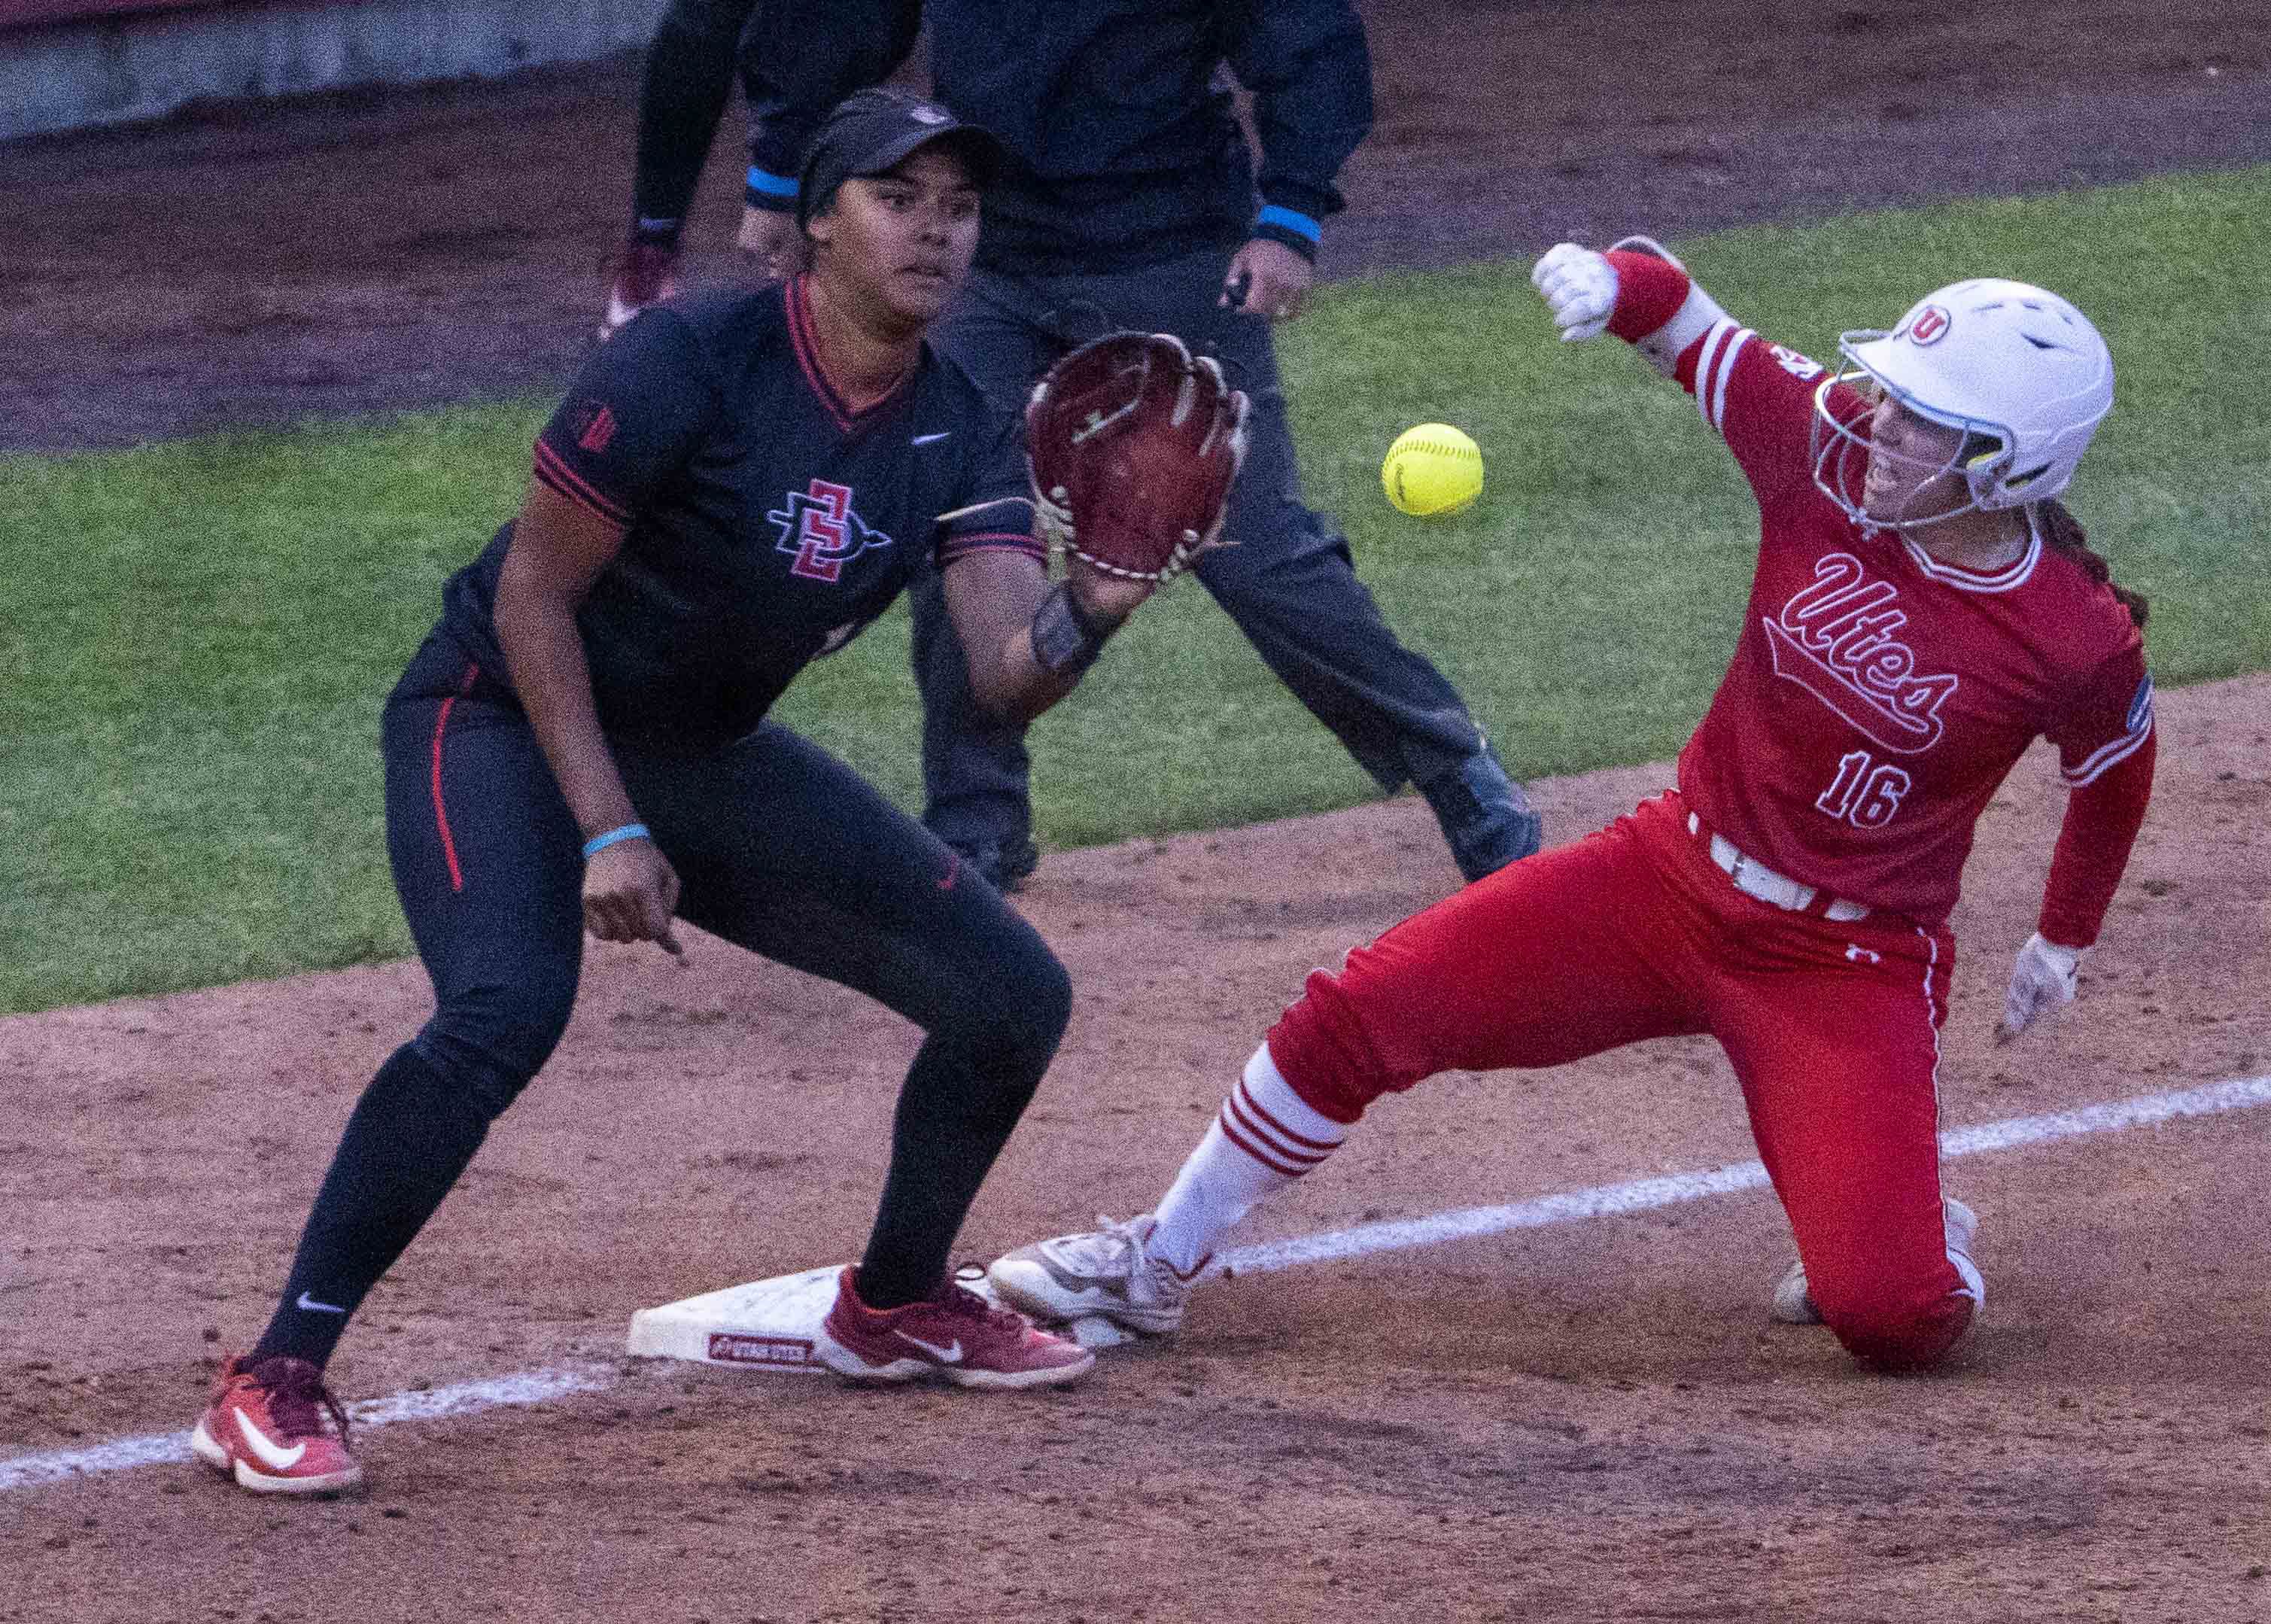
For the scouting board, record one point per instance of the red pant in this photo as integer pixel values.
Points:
(1633, 933)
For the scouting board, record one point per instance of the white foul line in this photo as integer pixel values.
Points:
(533, 1387)
(1640, 1195)
(528, 1387)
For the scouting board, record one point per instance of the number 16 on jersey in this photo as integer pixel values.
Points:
(1865, 792)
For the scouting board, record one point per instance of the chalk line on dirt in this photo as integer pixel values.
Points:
(533, 1387)
(527, 1387)
(1640, 1194)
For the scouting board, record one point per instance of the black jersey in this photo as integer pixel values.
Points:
(767, 522)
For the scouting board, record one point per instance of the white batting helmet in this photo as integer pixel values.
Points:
(2005, 361)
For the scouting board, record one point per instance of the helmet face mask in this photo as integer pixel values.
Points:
(1845, 450)
(2019, 372)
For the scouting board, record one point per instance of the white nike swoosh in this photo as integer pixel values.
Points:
(928, 439)
(273, 1456)
(950, 1354)
(309, 1305)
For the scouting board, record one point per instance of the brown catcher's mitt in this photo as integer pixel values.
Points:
(1133, 444)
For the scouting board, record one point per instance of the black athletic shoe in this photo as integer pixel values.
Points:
(1486, 820)
(1005, 868)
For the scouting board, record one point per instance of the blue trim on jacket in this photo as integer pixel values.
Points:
(1120, 124)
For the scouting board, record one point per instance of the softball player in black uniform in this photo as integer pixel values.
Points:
(736, 485)
(1130, 198)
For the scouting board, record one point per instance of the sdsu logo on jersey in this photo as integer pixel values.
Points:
(1835, 639)
(594, 426)
(818, 526)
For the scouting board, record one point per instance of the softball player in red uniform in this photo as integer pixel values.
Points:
(1923, 609)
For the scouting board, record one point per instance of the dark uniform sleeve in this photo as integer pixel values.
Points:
(642, 404)
(1310, 70)
(995, 509)
(798, 61)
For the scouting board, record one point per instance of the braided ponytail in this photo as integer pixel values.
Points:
(2064, 531)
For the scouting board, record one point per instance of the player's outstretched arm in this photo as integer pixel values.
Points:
(1029, 641)
(1133, 444)
(1637, 290)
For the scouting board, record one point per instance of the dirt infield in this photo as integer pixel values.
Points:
(1589, 1420)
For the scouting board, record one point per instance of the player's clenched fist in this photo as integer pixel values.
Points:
(631, 891)
(1579, 285)
(772, 243)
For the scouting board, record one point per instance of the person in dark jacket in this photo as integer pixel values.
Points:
(1130, 198)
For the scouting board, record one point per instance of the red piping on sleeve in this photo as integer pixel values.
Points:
(554, 470)
(957, 548)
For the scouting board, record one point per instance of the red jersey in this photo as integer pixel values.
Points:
(1877, 696)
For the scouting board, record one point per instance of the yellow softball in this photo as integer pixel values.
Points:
(1433, 469)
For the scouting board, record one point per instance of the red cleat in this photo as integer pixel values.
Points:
(275, 1427)
(647, 273)
(956, 1336)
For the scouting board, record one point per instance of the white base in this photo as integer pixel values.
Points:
(774, 1324)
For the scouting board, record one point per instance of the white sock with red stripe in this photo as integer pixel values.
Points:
(1263, 1138)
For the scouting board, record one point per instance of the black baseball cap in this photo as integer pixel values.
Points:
(872, 132)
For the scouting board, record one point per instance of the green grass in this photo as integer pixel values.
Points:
(196, 638)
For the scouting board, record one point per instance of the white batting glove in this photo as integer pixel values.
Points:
(2041, 980)
(1580, 288)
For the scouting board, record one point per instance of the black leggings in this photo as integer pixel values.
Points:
(781, 849)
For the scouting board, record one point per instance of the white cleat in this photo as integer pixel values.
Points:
(1102, 1273)
(1793, 1303)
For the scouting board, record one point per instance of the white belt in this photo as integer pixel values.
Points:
(1754, 878)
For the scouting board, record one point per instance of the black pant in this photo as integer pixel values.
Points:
(781, 849)
(1289, 582)
(684, 84)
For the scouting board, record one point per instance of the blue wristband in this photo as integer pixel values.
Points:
(597, 843)
(1294, 220)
